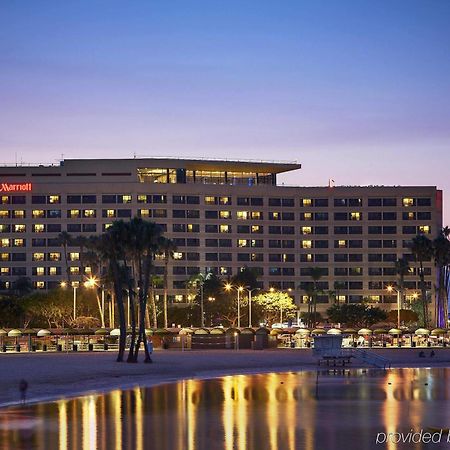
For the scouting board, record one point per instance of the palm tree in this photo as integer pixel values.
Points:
(316, 274)
(65, 239)
(441, 255)
(338, 286)
(422, 249)
(401, 269)
(167, 248)
(198, 281)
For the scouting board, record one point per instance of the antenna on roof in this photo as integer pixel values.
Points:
(330, 183)
(134, 155)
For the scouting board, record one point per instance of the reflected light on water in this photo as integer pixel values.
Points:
(271, 411)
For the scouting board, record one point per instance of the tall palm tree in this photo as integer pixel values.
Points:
(422, 249)
(198, 281)
(167, 248)
(316, 274)
(441, 256)
(65, 239)
(401, 269)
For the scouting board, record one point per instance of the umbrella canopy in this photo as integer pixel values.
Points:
(422, 332)
(29, 331)
(303, 332)
(395, 331)
(349, 331)
(43, 333)
(233, 331)
(364, 332)
(115, 332)
(201, 331)
(186, 331)
(101, 332)
(3, 332)
(217, 331)
(334, 331)
(318, 331)
(380, 331)
(248, 331)
(14, 333)
(438, 332)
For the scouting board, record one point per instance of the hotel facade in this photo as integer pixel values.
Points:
(223, 216)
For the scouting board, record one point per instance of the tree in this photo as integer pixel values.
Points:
(406, 316)
(167, 248)
(198, 282)
(65, 239)
(358, 315)
(312, 291)
(401, 269)
(422, 249)
(246, 278)
(22, 287)
(274, 305)
(441, 256)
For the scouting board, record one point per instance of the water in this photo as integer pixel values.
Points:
(343, 410)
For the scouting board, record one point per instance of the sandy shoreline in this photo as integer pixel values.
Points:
(54, 375)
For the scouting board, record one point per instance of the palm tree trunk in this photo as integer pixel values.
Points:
(424, 295)
(121, 310)
(166, 268)
(152, 298)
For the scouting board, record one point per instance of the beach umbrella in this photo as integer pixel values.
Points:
(233, 331)
(422, 332)
(101, 332)
(318, 331)
(364, 332)
(43, 333)
(115, 332)
(217, 331)
(3, 332)
(14, 333)
(395, 331)
(334, 331)
(438, 332)
(349, 331)
(201, 331)
(303, 332)
(379, 331)
(186, 331)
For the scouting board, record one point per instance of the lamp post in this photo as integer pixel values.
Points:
(63, 284)
(239, 289)
(247, 288)
(390, 289)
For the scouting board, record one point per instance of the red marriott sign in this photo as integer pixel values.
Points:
(16, 187)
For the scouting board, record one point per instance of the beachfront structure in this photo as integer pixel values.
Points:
(223, 216)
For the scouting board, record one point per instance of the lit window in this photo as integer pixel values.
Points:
(178, 255)
(126, 198)
(74, 256)
(224, 214)
(411, 216)
(242, 215)
(142, 198)
(55, 256)
(309, 257)
(355, 216)
(74, 270)
(19, 214)
(408, 202)
(5, 242)
(110, 213)
(306, 230)
(74, 213)
(38, 213)
(256, 215)
(210, 200)
(38, 228)
(144, 212)
(107, 225)
(5, 200)
(4, 228)
(89, 213)
(40, 271)
(19, 242)
(276, 216)
(306, 202)
(53, 271)
(4, 256)
(38, 257)
(308, 216)
(342, 243)
(305, 298)
(190, 227)
(53, 199)
(87, 270)
(224, 228)
(20, 228)
(39, 284)
(224, 200)
(4, 214)
(224, 271)
(4, 271)
(242, 243)
(179, 298)
(256, 229)
(373, 298)
(306, 244)
(425, 229)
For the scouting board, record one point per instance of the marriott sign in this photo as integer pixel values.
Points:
(16, 187)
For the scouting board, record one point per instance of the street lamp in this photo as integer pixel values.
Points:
(63, 284)
(390, 289)
(247, 288)
(272, 289)
(239, 289)
(90, 283)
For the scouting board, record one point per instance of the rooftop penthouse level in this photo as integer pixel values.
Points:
(154, 170)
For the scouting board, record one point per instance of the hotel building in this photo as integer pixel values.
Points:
(222, 215)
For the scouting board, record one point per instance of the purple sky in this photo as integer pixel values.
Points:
(357, 91)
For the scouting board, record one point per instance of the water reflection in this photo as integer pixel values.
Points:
(334, 410)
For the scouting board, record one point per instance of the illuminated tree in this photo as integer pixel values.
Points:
(274, 305)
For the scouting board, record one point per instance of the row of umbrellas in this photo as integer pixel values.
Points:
(368, 332)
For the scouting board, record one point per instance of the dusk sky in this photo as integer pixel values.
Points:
(357, 91)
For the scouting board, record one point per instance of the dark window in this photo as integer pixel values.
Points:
(73, 199)
(389, 216)
(288, 202)
(179, 213)
(424, 216)
(256, 201)
(320, 202)
(320, 230)
(340, 216)
(288, 230)
(193, 242)
(178, 199)
(179, 227)
(225, 257)
(211, 214)
(321, 216)
(374, 202)
(274, 201)
(38, 199)
(18, 200)
(179, 242)
(274, 230)
(177, 270)
(355, 243)
(243, 201)
(424, 202)
(211, 243)
(159, 213)
(243, 229)
(354, 202)
(374, 257)
(124, 213)
(374, 243)
(288, 243)
(374, 216)
(89, 227)
(389, 230)
(211, 257)
(193, 256)
(211, 228)
(74, 228)
(54, 213)
(321, 244)
(355, 285)
(375, 229)
(355, 257)
(274, 243)
(340, 230)
(243, 257)
(287, 216)
(54, 228)
(109, 198)
(192, 200)
(18, 257)
(89, 199)
(288, 271)
(340, 271)
(340, 202)
(159, 198)
(193, 214)
(389, 257)
(374, 271)
(410, 229)
(355, 230)
(340, 257)
(389, 202)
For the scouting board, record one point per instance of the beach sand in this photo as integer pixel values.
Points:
(56, 375)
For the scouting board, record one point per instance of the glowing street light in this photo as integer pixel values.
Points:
(63, 284)
(239, 289)
(392, 289)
